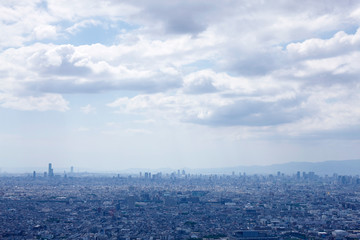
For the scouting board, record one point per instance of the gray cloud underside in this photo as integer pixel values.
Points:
(254, 113)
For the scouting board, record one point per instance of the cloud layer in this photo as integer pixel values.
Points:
(284, 68)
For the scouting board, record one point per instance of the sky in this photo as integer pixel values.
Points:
(112, 85)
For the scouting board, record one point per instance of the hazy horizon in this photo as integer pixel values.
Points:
(178, 84)
(349, 167)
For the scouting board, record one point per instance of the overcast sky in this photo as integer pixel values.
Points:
(110, 85)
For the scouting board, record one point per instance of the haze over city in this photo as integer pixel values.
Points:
(111, 85)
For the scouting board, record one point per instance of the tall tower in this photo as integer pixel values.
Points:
(50, 171)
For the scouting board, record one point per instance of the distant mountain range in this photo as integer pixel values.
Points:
(342, 167)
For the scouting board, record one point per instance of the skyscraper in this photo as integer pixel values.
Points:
(50, 171)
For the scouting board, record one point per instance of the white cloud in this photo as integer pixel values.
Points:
(22, 22)
(340, 44)
(333, 110)
(88, 109)
(211, 109)
(230, 101)
(325, 71)
(45, 32)
(73, 11)
(206, 81)
(83, 24)
(44, 102)
(289, 108)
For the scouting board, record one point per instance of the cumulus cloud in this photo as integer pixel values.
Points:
(45, 32)
(66, 68)
(213, 110)
(198, 83)
(289, 108)
(340, 44)
(340, 69)
(311, 112)
(333, 112)
(218, 99)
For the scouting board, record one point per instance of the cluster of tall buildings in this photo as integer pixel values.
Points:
(50, 172)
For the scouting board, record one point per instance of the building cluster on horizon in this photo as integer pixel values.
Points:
(181, 174)
(50, 172)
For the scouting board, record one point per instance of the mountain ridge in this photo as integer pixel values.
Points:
(341, 167)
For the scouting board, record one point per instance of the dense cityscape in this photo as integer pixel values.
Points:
(179, 205)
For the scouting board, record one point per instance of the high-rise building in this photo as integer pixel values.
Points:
(50, 171)
(147, 175)
(72, 170)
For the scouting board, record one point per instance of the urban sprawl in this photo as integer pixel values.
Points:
(179, 205)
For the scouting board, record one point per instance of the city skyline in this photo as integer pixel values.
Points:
(113, 85)
(325, 168)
